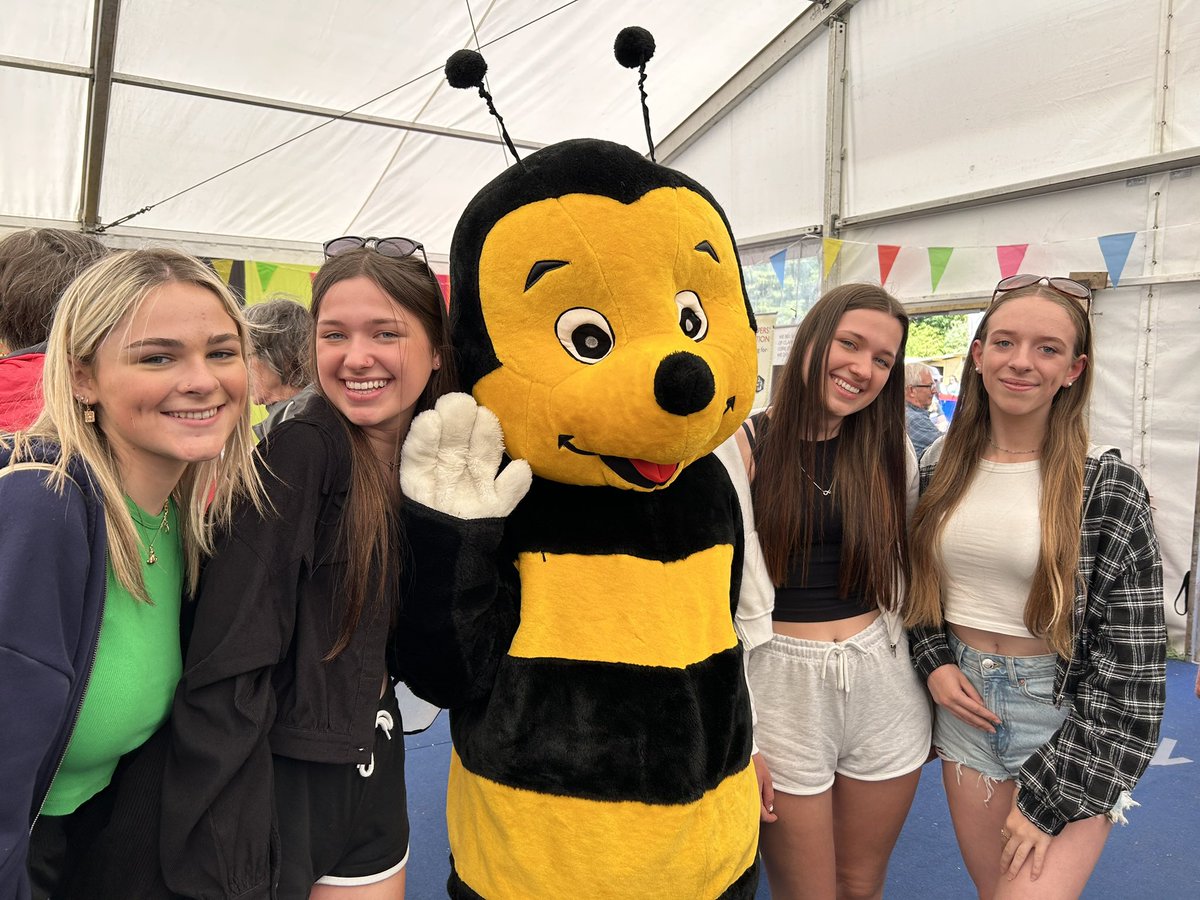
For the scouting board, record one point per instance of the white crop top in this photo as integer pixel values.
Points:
(990, 548)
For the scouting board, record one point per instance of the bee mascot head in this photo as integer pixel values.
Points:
(599, 308)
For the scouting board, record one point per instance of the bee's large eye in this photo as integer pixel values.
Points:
(585, 334)
(692, 320)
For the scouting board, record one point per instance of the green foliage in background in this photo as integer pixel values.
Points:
(937, 336)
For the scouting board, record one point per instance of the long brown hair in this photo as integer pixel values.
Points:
(369, 531)
(869, 473)
(1048, 611)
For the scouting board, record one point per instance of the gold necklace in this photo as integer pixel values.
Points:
(1014, 452)
(151, 556)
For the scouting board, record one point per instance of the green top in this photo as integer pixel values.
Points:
(138, 664)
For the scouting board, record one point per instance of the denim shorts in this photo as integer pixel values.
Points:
(1020, 690)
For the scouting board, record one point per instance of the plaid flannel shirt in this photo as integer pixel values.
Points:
(1117, 674)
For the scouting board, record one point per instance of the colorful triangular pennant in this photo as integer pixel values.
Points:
(265, 271)
(779, 263)
(1010, 256)
(1115, 248)
(938, 258)
(887, 258)
(830, 248)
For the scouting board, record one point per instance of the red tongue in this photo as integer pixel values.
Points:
(656, 472)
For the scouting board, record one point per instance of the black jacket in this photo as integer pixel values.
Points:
(254, 683)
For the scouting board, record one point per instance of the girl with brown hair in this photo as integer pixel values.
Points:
(1035, 604)
(287, 773)
(842, 723)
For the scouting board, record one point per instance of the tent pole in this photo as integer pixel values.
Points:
(104, 45)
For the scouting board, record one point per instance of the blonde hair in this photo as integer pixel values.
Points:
(91, 307)
(1048, 611)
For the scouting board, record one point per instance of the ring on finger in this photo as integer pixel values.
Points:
(1004, 835)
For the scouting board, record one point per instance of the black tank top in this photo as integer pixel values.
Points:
(813, 596)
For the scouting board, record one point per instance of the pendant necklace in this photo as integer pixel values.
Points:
(825, 491)
(151, 556)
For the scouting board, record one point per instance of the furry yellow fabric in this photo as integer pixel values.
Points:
(627, 263)
(581, 848)
(606, 608)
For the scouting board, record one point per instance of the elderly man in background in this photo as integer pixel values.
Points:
(920, 385)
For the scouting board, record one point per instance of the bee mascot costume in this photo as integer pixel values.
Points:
(581, 633)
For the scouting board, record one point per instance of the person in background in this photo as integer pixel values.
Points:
(841, 721)
(920, 387)
(104, 524)
(36, 265)
(1036, 604)
(286, 773)
(282, 337)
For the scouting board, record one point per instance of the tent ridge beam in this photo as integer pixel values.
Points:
(803, 30)
(41, 65)
(1134, 168)
(192, 90)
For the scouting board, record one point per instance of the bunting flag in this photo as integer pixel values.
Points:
(779, 263)
(887, 258)
(938, 258)
(1115, 248)
(265, 271)
(1009, 256)
(224, 268)
(830, 248)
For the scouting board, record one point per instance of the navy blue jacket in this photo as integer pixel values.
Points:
(53, 549)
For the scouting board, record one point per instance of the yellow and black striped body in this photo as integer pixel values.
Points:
(612, 757)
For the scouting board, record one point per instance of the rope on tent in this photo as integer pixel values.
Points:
(102, 227)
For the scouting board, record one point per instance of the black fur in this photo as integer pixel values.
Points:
(606, 731)
(465, 69)
(633, 47)
(684, 384)
(698, 511)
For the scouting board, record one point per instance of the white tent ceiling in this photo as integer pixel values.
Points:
(198, 86)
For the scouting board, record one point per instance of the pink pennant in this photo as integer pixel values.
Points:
(887, 258)
(1010, 256)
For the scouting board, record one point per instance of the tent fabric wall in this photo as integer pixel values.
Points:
(948, 98)
(551, 70)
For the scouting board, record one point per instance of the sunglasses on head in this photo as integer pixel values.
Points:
(1067, 287)
(391, 247)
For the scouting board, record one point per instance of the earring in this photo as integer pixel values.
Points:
(89, 414)
(1068, 384)
(979, 370)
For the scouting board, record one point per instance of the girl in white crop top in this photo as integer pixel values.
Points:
(1034, 563)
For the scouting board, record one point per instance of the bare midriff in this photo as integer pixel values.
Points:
(1000, 644)
(837, 630)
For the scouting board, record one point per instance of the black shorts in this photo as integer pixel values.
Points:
(339, 825)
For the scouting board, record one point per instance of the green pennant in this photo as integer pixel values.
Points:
(938, 257)
(265, 271)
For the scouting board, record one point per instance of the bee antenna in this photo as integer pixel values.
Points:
(633, 48)
(465, 69)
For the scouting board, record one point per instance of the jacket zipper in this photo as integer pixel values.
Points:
(78, 709)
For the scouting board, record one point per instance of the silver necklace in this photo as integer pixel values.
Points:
(1006, 450)
(826, 491)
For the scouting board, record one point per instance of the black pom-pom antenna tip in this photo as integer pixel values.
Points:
(634, 47)
(465, 69)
